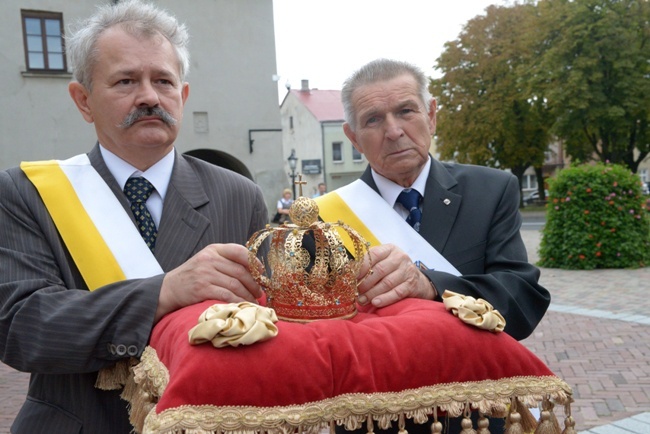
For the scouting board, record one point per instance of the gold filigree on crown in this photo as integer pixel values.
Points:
(305, 286)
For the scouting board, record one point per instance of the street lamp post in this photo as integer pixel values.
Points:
(292, 165)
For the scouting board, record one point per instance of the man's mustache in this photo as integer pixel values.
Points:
(143, 112)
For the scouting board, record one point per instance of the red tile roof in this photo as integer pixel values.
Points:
(325, 105)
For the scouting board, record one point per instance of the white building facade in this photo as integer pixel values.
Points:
(312, 125)
(231, 117)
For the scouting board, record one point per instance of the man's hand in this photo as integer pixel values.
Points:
(218, 272)
(394, 277)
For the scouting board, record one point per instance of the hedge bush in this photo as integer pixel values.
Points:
(596, 218)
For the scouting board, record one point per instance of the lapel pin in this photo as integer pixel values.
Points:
(446, 201)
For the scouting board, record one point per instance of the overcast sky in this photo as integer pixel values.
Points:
(324, 41)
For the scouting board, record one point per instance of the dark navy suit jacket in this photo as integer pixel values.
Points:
(470, 214)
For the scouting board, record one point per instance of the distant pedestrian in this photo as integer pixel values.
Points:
(322, 189)
(285, 202)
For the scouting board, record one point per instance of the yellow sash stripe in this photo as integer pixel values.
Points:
(333, 208)
(89, 251)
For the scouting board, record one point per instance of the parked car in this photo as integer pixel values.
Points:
(533, 197)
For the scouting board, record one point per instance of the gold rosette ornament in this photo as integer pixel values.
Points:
(474, 311)
(307, 273)
(234, 324)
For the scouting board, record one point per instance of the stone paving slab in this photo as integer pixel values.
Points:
(604, 361)
(13, 387)
(596, 336)
(639, 424)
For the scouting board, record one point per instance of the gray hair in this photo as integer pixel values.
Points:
(135, 17)
(381, 70)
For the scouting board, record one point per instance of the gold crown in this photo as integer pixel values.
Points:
(305, 286)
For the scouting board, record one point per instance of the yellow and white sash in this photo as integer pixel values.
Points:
(103, 241)
(362, 208)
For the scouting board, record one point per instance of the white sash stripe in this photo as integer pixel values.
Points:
(389, 227)
(110, 218)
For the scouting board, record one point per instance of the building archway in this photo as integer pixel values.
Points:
(221, 159)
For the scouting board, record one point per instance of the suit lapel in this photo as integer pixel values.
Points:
(439, 207)
(95, 157)
(182, 225)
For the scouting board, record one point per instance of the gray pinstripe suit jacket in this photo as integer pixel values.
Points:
(477, 230)
(52, 327)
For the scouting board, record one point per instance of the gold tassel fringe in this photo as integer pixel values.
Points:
(528, 422)
(548, 423)
(370, 424)
(483, 425)
(466, 423)
(150, 378)
(116, 376)
(513, 423)
(569, 423)
(402, 425)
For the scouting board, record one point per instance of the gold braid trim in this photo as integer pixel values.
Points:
(149, 380)
(489, 397)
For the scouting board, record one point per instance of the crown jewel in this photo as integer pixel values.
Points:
(303, 285)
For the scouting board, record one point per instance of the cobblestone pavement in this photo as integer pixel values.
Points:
(596, 336)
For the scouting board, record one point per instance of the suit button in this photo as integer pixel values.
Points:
(121, 350)
(111, 349)
(132, 350)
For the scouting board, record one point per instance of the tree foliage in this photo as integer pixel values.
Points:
(577, 71)
(595, 72)
(487, 115)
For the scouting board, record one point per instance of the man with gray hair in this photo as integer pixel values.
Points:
(440, 226)
(95, 249)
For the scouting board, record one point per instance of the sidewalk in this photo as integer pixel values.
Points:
(596, 336)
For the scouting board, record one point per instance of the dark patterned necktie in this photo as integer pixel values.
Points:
(410, 199)
(138, 190)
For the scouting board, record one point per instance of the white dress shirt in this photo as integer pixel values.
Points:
(390, 190)
(158, 175)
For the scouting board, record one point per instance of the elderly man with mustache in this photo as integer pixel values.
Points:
(95, 249)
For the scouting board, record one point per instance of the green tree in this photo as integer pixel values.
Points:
(595, 73)
(487, 114)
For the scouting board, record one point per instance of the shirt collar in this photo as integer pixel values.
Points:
(390, 190)
(158, 175)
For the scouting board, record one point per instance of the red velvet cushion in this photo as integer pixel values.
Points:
(408, 345)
